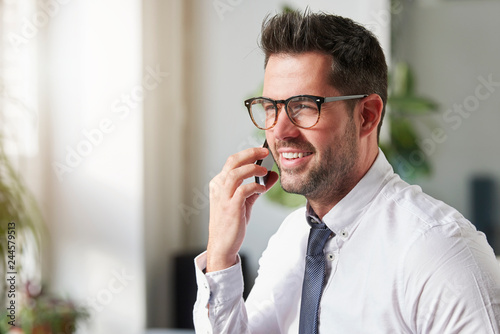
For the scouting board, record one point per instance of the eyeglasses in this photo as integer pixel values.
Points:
(302, 110)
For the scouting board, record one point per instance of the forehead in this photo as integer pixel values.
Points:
(295, 74)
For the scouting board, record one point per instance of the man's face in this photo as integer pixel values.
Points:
(318, 162)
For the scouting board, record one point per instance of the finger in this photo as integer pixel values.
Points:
(236, 176)
(245, 191)
(251, 200)
(225, 184)
(248, 156)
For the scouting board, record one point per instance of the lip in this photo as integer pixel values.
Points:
(296, 162)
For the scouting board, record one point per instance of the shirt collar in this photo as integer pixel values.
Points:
(311, 216)
(343, 215)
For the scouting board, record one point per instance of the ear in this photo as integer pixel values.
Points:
(370, 113)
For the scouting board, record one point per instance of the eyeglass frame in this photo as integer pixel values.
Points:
(318, 99)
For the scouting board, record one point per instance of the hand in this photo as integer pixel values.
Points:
(231, 203)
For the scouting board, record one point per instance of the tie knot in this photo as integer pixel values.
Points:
(318, 235)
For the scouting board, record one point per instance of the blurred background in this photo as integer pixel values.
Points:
(115, 115)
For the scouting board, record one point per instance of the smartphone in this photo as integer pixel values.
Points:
(267, 162)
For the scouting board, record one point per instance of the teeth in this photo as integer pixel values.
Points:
(294, 155)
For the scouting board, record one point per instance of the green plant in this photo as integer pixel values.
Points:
(18, 209)
(404, 108)
(22, 229)
(45, 314)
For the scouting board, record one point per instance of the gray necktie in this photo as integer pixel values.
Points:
(314, 277)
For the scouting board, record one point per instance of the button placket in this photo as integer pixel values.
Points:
(331, 251)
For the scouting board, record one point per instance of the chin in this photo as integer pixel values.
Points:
(292, 184)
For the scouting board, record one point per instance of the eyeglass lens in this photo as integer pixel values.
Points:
(303, 111)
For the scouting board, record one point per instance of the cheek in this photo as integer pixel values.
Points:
(330, 140)
(323, 137)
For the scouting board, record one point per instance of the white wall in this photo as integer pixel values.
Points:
(451, 46)
(91, 58)
(164, 147)
(226, 67)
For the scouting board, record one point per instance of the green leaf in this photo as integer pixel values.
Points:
(401, 80)
(411, 105)
(403, 136)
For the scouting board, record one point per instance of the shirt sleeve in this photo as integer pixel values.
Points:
(219, 306)
(272, 305)
(453, 282)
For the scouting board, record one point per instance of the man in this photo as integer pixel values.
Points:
(390, 258)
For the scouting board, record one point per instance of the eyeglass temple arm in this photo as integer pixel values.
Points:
(341, 98)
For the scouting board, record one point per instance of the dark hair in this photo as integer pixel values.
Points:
(358, 64)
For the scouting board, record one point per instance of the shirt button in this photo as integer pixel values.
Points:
(330, 256)
(344, 234)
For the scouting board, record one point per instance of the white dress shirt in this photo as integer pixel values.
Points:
(401, 262)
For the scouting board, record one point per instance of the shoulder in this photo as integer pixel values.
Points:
(435, 234)
(422, 214)
(442, 242)
(446, 265)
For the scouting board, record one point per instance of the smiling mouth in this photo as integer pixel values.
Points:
(295, 155)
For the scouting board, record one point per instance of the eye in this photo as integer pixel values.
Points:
(302, 105)
(299, 107)
(268, 107)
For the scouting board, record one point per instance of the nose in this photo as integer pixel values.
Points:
(284, 127)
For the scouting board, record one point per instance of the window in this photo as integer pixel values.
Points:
(18, 90)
